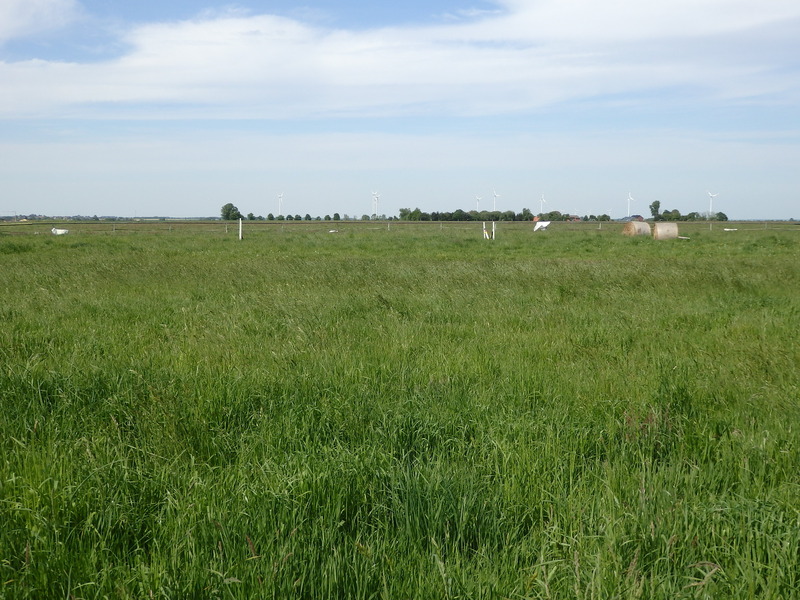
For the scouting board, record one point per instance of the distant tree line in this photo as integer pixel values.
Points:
(406, 214)
(675, 215)
(229, 212)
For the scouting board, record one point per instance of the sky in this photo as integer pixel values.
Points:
(177, 107)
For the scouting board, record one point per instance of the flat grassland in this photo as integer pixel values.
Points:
(404, 412)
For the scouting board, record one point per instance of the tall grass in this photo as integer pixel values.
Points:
(411, 413)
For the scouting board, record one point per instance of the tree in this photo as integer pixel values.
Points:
(721, 216)
(230, 213)
(251, 217)
(336, 217)
(654, 207)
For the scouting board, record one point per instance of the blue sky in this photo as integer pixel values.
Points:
(113, 107)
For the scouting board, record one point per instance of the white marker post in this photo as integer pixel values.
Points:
(240, 229)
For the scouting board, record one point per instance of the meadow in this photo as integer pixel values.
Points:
(399, 412)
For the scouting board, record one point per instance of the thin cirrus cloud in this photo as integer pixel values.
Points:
(525, 56)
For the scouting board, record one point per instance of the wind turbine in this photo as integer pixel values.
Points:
(711, 203)
(375, 200)
(542, 202)
(496, 196)
(711, 208)
(478, 203)
(280, 203)
(630, 199)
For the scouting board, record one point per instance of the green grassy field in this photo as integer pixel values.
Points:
(410, 412)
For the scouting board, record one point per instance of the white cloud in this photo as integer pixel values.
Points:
(588, 21)
(530, 55)
(21, 18)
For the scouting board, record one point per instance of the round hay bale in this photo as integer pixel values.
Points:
(665, 231)
(636, 228)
